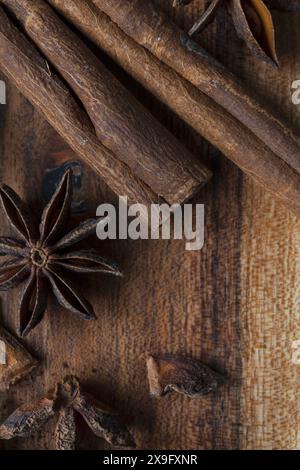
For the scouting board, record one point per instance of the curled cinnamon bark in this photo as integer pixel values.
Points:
(23, 64)
(122, 124)
(143, 21)
(198, 110)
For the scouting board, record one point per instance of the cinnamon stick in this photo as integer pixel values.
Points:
(121, 122)
(199, 111)
(26, 68)
(143, 21)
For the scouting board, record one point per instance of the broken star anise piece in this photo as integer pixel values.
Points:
(41, 255)
(182, 375)
(252, 20)
(15, 361)
(67, 401)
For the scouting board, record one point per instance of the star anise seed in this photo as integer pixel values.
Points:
(252, 20)
(40, 256)
(67, 400)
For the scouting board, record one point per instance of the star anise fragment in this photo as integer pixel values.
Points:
(41, 255)
(67, 401)
(182, 375)
(252, 20)
(15, 360)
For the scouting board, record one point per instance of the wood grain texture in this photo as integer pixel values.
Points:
(234, 305)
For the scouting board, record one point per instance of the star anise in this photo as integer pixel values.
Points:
(252, 20)
(41, 256)
(65, 403)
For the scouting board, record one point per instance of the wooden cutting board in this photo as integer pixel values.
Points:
(234, 305)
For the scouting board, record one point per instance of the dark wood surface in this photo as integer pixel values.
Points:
(234, 305)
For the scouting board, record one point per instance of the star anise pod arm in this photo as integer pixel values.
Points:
(57, 211)
(207, 17)
(254, 24)
(13, 273)
(11, 246)
(27, 419)
(67, 296)
(103, 421)
(84, 230)
(65, 432)
(18, 214)
(34, 302)
(86, 261)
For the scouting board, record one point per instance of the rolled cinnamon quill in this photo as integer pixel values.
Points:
(143, 21)
(26, 68)
(122, 124)
(199, 111)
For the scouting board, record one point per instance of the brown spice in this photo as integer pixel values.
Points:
(17, 361)
(182, 375)
(41, 256)
(207, 118)
(67, 401)
(252, 21)
(122, 124)
(26, 68)
(143, 21)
